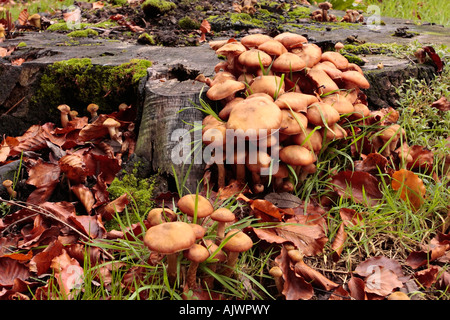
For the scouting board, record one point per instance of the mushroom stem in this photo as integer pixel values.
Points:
(277, 274)
(221, 175)
(8, 185)
(192, 274)
(231, 262)
(172, 260)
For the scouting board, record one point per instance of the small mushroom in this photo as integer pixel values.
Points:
(112, 126)
(254, 40)
(64, 109)
(92, 109)
(325, 6)
(35, 20)
(8, 185)
(160, 215)
(2, 31)
(170, 238)
(222, 216)
(338, 46)
(225, 90)
(398, 295)
(277, 274)
(73, 114)
(196, 254)
(195, 205)
(236, 242)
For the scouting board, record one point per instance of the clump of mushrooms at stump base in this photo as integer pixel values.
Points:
(236, 242)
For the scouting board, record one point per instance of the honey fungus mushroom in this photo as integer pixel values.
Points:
(160, 215)
(8, 185)
(222, 216)
(196, 254)
(236, 242)
(169, 239)
(195, 205)
(92, 109)
(64, 110)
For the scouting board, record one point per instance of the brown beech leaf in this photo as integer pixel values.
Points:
(412, 189)
(11, 270)
(417, 259)
(19, 256)
(85, 195)
(367, 267)
(435, 57)
(294, 288)
(41, 262)
(95, 129)
(313, 276)
(43, 174)
(358, 185)
(422, 158)
(373, 163)
(382, 282)
(89, 225)
(428, 276)
(356, 287)
(305, 232)
(267, 208)
(68, 272)
(441, 104)
(74, 167)
(23, 17)
(384, 116)
(32, 140)
(108, 211)
(338, 243)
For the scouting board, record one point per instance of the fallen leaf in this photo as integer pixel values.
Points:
(23, 17)
(313, 276)
(266, 207)
(357, 185)
(19, 256)
(17, 62)
(11, 270)
(411, 187)
(85, 195)
(442, 104)
(382, 282)
(428, 276)
(435, 57)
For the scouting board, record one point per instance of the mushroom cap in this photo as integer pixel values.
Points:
(325, 5)
(320, 113)
(310, 53)
(221, 76)
(224, 89)
(271, 85)
(296, 155)
(111, 122)
(255, 40)
(336, 58)
(324, 83)
(355, 78)
(64, 108)
(273, 47)
(255, 114)
(314, 141)
(170, 237)
(225, 112)
(196, 253)
(156, 215)
(212, 248)
(254, 58)
(198, 230)
(92, 107)
(262, 160)
(187, 205)
(398, 295)
(291, 40)
(338, 46)
(7, 183)
(223, 215)
(288, 62)
(276, 272)
(231, 49)
(297, 101)
(293, 122)
(237, 241)
(340, 103)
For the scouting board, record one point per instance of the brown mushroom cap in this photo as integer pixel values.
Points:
(111, 123)
(293, 122)
(296, 155)
(322, 80)
(325, 5)
(310, 53)
(198, 230)
(340, 103)
(255, 40)
(212, 248)
(231, 49)
(196, 253)
(157, 216)
(170, 237)
(273, 47)
(255, 114)
(253, 59)
(64, 108)
(92, 108)
(291, 40)
(311, 141)
(321, 113)
(7, 183)
(260, 160)
(297, 101)
(288, 62)
(187, 205)
(225, 112)
(336, 58)
(224, 89)
(271, 85)
(237, 241)
(223, 215)
(355, 78)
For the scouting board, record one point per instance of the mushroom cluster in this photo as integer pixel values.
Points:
(322, 14)
(187, 234)
(291, 94)
(353, 16)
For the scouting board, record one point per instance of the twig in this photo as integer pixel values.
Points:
(47, 214)
(17, 103)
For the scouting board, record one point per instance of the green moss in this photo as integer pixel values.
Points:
(139, 190)
(83, 33)
(78, 82)
(145, 38)
(299, 12)
(188, 23)
(64, 26)
(21, 45)
(354, 59)
(375, 48)
(152, 8)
